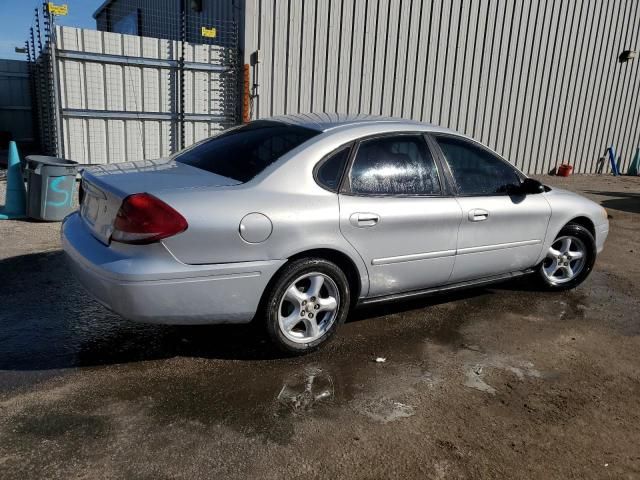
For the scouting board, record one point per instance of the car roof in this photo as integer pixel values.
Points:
(323, 122)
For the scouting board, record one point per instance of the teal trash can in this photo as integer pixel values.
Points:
(50, 186)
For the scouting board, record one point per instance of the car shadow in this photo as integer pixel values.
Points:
(624, 201)
(47, 322)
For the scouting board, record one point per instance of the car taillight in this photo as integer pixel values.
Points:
(143, 219)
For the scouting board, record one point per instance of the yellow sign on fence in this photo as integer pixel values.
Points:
(60, 10)
(209, 32)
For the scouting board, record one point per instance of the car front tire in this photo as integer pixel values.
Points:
(569, 260)
(306, 303)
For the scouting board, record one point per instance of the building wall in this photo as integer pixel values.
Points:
(161, 19)
(538, 81)
(15, 100)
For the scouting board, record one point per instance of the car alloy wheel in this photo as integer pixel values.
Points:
(565, 260)
(308, 308)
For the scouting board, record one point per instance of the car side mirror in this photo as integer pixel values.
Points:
(530, 186)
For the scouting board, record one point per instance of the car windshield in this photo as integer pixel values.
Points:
(243, 152)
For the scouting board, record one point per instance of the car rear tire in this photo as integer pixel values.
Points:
(305, 304)
(569, 260)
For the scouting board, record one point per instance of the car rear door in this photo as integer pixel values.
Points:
(501, 231)
(396, 211)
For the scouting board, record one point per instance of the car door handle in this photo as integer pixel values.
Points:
(478, 215)
(364, 219)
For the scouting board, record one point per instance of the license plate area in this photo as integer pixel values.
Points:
(98, 210)
(90, 208)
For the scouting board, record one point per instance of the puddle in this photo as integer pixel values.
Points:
(475, 373)
(52, 425)
(302, 393)
(475, 380)
(384, 410)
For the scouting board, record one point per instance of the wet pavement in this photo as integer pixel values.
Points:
(499, 382)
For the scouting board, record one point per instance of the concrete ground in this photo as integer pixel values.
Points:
(501, 382)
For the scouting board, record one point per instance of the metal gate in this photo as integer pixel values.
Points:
(107, 97)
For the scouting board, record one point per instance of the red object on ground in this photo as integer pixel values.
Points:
(565, 170)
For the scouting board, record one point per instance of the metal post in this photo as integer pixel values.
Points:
(56, 97)
(181, 93)
(38, 107)
(612, 159)
(38, 31)
(35, 114)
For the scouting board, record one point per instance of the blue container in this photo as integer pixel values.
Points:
(50, 187)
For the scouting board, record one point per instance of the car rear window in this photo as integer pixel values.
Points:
(243, 152)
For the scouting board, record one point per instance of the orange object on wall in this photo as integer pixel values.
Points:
(246, 107)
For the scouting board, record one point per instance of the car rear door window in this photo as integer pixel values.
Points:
(394, 165)
(330, 170)
(475, 170)
(242, 153)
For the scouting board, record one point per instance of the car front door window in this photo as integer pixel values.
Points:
(476, 171)
(502, 229)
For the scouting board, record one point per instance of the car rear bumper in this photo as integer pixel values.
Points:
(147, 284)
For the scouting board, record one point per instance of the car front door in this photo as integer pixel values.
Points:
(397, 213)
(502, 230)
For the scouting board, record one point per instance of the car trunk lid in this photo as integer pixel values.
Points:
(106, 186)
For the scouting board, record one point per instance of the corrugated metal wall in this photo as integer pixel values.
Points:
(538, 81)
(15, 100)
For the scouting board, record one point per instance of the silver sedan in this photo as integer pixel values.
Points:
(295, 220)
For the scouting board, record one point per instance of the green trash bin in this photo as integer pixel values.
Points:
(50, 186)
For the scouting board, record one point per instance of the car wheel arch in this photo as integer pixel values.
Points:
(552, 233)
(357, 282)
(342, 260)
(583, 221)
